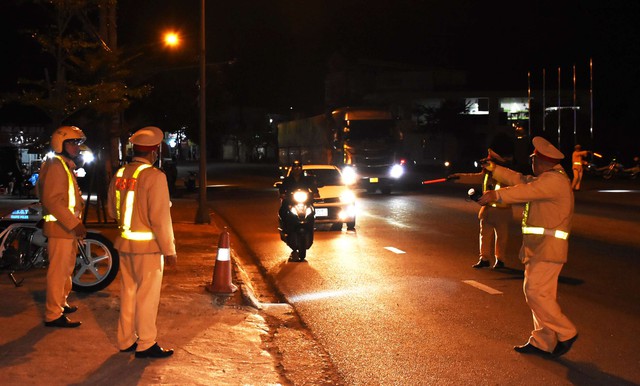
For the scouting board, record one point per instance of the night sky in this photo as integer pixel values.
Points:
(283, 46)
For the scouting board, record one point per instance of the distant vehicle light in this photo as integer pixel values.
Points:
(87, 157)
(349, 176)
(446, 164)
(396, 171)
(80, 172)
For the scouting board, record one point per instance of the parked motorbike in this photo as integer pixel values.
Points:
(613, 169)
(297, 226)
(23, 246)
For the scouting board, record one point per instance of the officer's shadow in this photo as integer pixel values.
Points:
(584, 373)
(518, 274)
(122, 367)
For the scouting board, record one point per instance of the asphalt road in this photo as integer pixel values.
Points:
(396, 301)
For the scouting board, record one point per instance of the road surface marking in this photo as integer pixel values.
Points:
(395, 250)
(482, 287)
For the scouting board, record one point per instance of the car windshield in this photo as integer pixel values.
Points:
(325, 176)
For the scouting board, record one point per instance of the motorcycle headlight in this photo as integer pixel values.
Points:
(349, 175)
(300, 197)
(347, 197)
(396, 171)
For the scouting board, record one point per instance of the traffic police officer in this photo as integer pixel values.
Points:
(577, 161)
(546, 224)
(139, 201)
(62, 207)
(494, 218)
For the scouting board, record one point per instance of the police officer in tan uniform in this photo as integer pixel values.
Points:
(546, 224)
(139, 201)
(494, 218)
(62, 206)
(577, 161)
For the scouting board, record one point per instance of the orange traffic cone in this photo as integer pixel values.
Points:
(221, 281)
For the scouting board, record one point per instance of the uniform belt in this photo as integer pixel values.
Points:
(543, 231)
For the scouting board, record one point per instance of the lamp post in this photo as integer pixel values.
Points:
(202, 215)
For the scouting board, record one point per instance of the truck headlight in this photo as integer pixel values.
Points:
(347, 197)
(349, 175)
(396, 171)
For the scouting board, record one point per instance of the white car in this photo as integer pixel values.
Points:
(337, 202)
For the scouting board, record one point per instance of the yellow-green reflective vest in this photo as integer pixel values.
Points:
(128, 185)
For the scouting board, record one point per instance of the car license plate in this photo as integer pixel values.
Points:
(322, 212)
(373, 180)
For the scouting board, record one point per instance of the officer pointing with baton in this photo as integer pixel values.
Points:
(546, 225)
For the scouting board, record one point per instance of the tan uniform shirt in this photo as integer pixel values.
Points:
(151, 212)
(577, 158)
(53, 191)
(551, 207)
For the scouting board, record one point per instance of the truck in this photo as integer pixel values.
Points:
(365, 143)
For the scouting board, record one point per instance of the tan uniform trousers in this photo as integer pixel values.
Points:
(62, 260)
(540, 290)
(139, 298)
(578, 171)
(494, 223)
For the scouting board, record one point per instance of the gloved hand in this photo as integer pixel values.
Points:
(80, 231)
(487, 164)
(171, 260)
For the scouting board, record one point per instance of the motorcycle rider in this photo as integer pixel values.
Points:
(294, 181)
(62, 207)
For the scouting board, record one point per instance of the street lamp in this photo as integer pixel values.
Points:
(171, 39)
(202, 215)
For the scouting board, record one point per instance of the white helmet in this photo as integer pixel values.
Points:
(65, 133)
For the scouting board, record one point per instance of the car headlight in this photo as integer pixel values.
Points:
(300, 197)
(349, 175)
(396, 171)
(347, 197)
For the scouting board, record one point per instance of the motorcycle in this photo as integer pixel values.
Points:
(297, 226)
(613, 169)
(24, 246)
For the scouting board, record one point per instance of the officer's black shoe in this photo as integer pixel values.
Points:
(131, 348)
(499, 264)
(70, 309)
(563, 347)
(154, 351)
(481, 264)
(530, 349)
(62, 321)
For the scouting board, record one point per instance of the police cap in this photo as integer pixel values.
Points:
(147, 139)
(546, 151)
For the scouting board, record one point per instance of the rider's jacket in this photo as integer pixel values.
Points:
(139, 201)
(58, 191)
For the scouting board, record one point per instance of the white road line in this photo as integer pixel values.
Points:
(395, 250)
(482, 287)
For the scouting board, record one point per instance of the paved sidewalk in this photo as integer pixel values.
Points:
(214, 344)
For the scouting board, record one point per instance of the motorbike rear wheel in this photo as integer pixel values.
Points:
(302, 246)
(100, 267)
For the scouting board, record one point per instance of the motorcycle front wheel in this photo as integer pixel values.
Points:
(97, 264)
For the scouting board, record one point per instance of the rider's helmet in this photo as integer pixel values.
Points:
(66, 133)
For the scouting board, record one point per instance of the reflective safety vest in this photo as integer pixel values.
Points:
(485, 187)
(129, 185)
(71, 191)
(527, 230)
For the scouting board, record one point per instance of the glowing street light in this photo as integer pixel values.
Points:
(171, 39)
